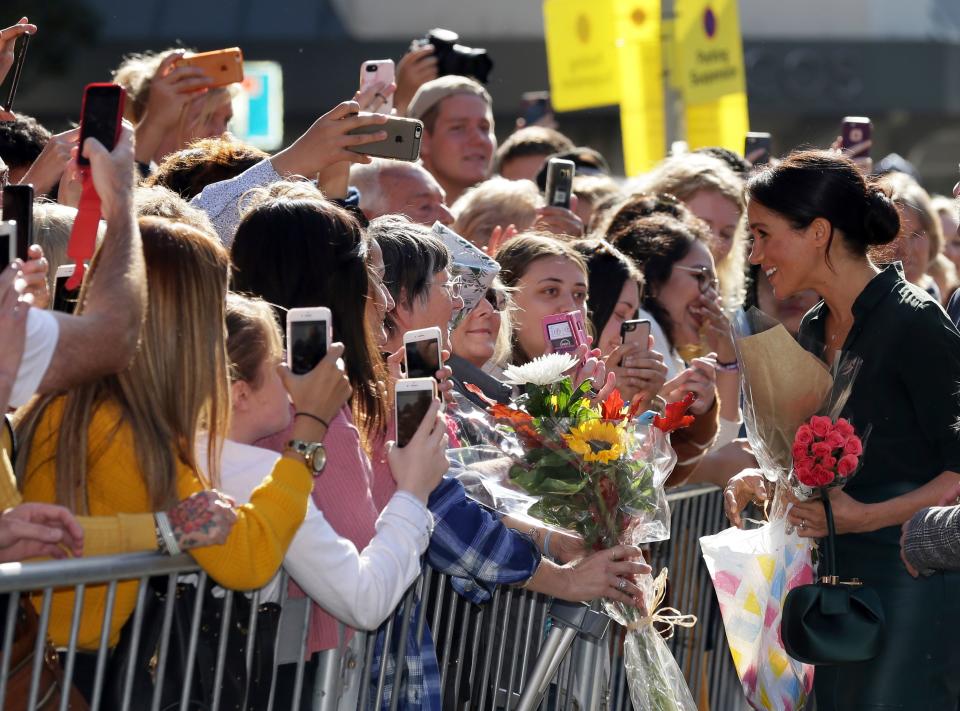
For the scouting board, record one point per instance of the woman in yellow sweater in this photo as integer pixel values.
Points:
(126, 443)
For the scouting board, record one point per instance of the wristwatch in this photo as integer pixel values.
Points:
(313, 452)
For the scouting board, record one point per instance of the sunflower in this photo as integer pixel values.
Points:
(596, 441)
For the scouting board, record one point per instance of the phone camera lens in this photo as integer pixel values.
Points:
(399, 139)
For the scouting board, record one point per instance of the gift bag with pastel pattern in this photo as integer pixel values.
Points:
(752, 571)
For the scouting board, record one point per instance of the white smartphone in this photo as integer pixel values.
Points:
(309, 333)
(8, 241)
(64, 300)
(412, 398)
(421, 352)
(378, 71)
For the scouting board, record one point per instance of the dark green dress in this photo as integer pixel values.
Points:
(907, 389)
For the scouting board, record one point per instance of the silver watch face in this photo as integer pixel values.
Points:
(318, 459)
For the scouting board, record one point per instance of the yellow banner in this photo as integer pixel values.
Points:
(721, 122)
(642, 118)
(709, 50)
(582, 53)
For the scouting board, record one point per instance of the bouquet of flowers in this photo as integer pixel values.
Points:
(598, 471)
(826, 453)
(791, 407)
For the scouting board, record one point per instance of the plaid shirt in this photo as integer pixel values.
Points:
(478, 552)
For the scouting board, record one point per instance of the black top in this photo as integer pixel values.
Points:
(908, 388)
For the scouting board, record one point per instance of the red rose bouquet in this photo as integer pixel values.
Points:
(826, 453)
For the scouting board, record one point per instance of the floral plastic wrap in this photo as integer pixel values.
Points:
(595, 470)
(783, 386)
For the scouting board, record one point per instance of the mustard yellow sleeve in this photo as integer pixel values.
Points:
(264, 528)
(9, 494)
(123, 533)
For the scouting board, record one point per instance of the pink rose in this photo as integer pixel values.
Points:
(836, 440)
(829, 463)
(821, 449)
(821, 426)
(847, 465)
(844, 427)
(804, 472)
(822, 476)
(804, 436)
(853, 447)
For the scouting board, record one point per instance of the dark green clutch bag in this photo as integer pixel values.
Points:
(832, 621)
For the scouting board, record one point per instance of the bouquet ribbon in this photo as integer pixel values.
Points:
(671, 617)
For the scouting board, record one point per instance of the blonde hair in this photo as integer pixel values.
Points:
(135, 74)
(158, 201)
(683, 176)
(908, 193)
(494, 202)
(253, 338)
(52, 224)
(176, 384)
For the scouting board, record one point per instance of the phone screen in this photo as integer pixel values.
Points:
(18, 205)
(101, 113)
(412, 406)
(8, 241)
(560, 335)
(308, 345)
(64, 300)
(423, 358)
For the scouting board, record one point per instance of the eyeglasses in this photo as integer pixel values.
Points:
(453, 287)
(496, 299)
(706, 279)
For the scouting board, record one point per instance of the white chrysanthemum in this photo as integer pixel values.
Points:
(545, 370)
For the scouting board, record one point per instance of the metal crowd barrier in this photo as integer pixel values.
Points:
(486, 653)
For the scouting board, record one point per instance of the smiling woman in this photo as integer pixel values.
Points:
(814, 217)
(549, 278)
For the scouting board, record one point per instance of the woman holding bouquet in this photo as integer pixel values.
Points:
(815, 222)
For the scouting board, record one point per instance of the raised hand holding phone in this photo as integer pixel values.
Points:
(8, 45)
(100, 128)
(320, 392)
(328, 141)
(418, 457)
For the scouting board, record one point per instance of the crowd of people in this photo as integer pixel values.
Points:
(161, 415)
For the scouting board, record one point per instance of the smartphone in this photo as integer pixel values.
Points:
(560, 182)
(563, 332)
(21, 55)
(636, 331)
(309, 334)
(402, 141)
(412, 398)
(8, 242)
(100, 116)
(378, 71)
(18, 206)
(64, 299)
(756, 147)
(534, 107)
(223, 66)
(856, 135)
(421, 352)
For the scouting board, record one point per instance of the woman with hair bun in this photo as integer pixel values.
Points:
(814, 218)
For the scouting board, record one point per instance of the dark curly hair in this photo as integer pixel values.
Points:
(655, 243)
(22, 141)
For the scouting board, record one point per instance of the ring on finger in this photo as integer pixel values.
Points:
(803, 523)
(621, 586)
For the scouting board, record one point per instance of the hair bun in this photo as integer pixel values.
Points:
(881, 221)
